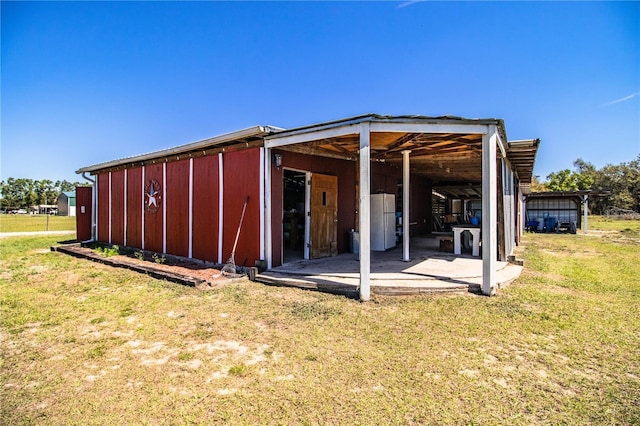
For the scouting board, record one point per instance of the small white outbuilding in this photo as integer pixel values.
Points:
(67, 203)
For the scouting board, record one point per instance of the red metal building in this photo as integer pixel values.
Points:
(308, 188)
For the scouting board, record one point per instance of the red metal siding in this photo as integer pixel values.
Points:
(134, 207)
(84, 207)
(205, 208)
(177, 202)
(103, 207)
(153, 222)
(242, 179)
(117, 207)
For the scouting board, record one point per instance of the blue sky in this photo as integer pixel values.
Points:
(87, 82)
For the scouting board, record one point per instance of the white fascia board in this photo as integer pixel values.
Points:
(429, 128)
(308, 135)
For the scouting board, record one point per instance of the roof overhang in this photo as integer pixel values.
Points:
(245, 136)
(522, 155)
(382, 123)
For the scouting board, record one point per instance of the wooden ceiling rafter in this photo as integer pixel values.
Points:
(407, 137)
(342, 149)
(318, 150)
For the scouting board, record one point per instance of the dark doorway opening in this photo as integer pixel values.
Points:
(293, 221)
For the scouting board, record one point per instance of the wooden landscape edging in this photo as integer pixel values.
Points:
(76, 251)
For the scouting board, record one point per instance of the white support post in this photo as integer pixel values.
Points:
(585, 198)
(364, 212)
(489, 211)
(268, 237)
(405, 206)
(220, 205)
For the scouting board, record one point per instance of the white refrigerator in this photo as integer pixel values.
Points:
(383, 221)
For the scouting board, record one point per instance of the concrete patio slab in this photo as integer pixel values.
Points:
(428, 271)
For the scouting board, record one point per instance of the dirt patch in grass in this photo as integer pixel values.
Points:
(206, 274)
(211, 275)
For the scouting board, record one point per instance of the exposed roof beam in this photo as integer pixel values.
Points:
(428, 128)
(317, 150)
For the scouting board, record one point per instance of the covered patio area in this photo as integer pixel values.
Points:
(429, 271)
(469, 155)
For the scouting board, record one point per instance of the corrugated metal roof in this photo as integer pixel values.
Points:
(221, 140)
(522, 155)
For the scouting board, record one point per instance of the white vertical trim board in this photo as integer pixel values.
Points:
(142, 209)
(110, 208)
(261, 179)
(220, 205)
(124, 213)
(365, 212)
(164, 207)
(190, 207)
(95, 206)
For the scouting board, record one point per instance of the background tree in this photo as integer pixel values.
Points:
(622, 180)
(566, 180)
(23, 193)
(537, 186)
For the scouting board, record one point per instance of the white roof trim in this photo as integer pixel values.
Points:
(193, 146)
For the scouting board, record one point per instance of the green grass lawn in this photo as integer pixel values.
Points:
(81, 343)
(28, 223)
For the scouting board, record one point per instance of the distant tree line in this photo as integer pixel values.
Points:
(22, 193)
(622, 180)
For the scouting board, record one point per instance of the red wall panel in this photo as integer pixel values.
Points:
(205, 208)
(134, 207)
(103, 207)
(177, 203)
(117, 207)
(153, 221)
(242, 179)
(83, 218)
